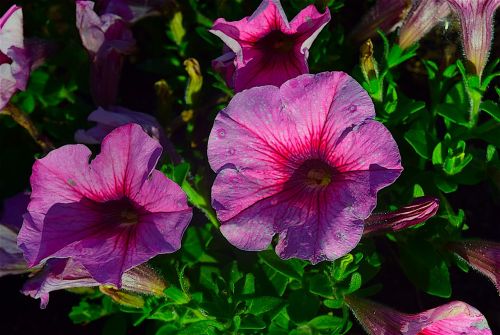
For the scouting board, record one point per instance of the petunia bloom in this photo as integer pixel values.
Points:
(11, 257)
(60, 274)
(107, 39)
(116, 116)
(476, 20)
(265, 49)
(483, 256)
(304, 161)
(111, 214)
(423, 16)
(454, 318)
(131, 10)
(14, 63)
(420, 210)
(386, 15)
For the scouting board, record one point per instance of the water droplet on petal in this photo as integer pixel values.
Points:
(221, 132)
(231, 151)
(339, 236)
(352, 108)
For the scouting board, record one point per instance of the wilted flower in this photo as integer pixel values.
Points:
(265, 49)
(386, 15)
(304, 160)
(107, 39)
(60, 274)
(454, 318)
(131, 10)
(14, 62)
(110, 215)
(423, 16)
(116, 116)
(476, 19)
(11, 257)
(420, 210)
(483, 256)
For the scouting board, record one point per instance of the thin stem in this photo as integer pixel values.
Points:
(24, 121)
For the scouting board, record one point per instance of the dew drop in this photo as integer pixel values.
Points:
(221, 132)
(231, 151)
(71, 182)
(352, 108)
(339, 236)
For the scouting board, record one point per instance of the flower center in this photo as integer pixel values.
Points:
(277, 41)
(316, 173)
(121, 212)
(4, 59)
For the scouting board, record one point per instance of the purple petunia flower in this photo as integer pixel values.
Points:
(11, 257)
(304, 161)
(423, 16)
(107, 39)
(420, 210)
(14, 62)
(453, 318)
(476, 19)
(483, 256)
(119, 116)
(131, 10)
(111, 214)
(386, 15)
(60, 274)
(265, 49)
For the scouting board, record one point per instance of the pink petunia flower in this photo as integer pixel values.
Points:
(386, 15)
(483, 256)
(454, 318)
(111, 214)
(265, 49)
(304, 161)
(423, 16)
(14, 62)
(107, 39)
(420, 210)
(476, 20)
(11, 257)
(60, 274)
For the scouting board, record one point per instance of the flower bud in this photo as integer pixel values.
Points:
(424, 15)
(476, 20)
(483, 256)
(420, 210)
(454, 318)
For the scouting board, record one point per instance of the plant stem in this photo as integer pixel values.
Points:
(24, 121)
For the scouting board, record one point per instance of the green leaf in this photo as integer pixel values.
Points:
(262, 305)
(333, 304)
(302, 306)
(418, 191)
(291, 268)
(445, 185)
(491, 108)
(326, 322)
(417, 138)
(321, 285)
(453, 113)
(355, 283)
(178, 296)
(204, 327)
(252, 322)
(437, 154)
(278, 280)
(180, 172)
(425, 267)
